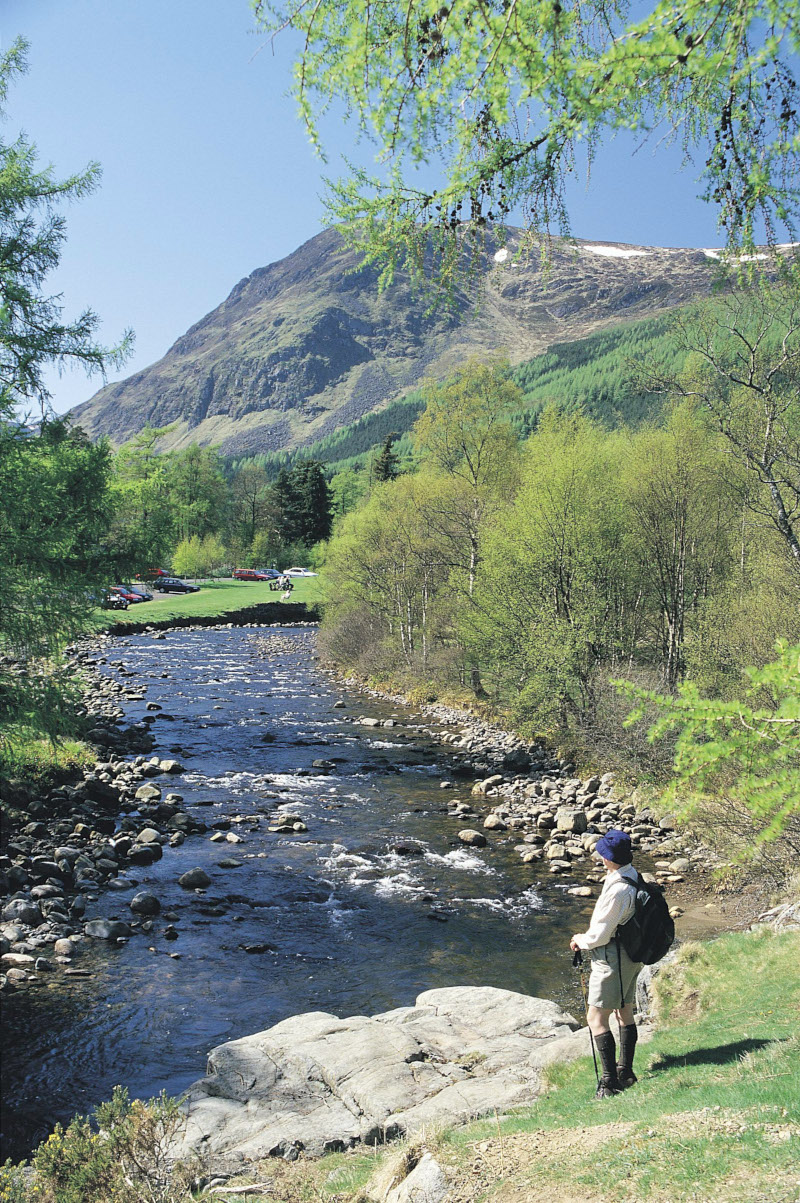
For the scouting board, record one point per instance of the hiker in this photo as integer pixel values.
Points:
(612, 981)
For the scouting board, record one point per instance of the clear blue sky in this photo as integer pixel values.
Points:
(208, 173)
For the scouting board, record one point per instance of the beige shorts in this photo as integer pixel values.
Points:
(604, 979)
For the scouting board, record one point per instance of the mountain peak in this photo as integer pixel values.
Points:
(308, 343)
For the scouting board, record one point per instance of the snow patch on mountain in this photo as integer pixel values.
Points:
(614, 252)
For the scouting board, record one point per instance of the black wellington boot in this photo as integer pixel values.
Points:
(608, 1084)
(628, 1036)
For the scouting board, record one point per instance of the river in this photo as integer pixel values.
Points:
(330, 919)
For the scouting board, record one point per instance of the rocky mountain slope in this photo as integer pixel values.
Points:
(308, 343)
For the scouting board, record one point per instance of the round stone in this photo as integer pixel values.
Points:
(145, 903)
(475, 839)
(194, 879)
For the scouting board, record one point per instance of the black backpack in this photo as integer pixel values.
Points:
(648, 934)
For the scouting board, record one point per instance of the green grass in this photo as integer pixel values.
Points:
(717, 1084)
(24, 753)
(215, 598)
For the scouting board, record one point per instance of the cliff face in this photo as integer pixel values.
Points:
(308, 344)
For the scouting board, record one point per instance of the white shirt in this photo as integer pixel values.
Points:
(615, 906)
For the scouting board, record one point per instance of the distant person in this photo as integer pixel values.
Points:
(612, 981)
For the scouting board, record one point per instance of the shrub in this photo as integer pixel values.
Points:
(121, 1155)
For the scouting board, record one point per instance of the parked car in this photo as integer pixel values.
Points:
(171, 584)
(299, 572)
(124, 591)
(152, 575)
(250, 574)
(140, 591)
(113, 601)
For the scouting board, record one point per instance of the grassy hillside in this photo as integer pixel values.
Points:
(595, 374)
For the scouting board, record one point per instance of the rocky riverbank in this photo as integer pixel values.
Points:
(501, 784)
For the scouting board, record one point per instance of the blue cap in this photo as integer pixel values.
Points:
(615, 845)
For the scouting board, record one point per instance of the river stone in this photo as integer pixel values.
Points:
(148, 793)
(319, 1082)
(148, 835)
(22, 910)
(475, 839)
(531, 854)
(494, 823)
(107, 929)
(483, 787)
(145, 854)
(194, 879)
(145, 903)
(17, 960)
(568, 818)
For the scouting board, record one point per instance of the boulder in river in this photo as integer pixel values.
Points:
(317, 1082)
(194, 879)
(145, 903)
(148, 793)
(475, 839)
(107, 929)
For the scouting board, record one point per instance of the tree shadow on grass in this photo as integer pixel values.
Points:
(719, 1054)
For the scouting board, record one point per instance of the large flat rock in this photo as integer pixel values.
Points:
(317, 1083)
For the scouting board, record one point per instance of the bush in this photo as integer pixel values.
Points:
(121, 1155)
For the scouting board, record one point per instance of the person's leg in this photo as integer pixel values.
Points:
(628, 1035)
(598, 1020)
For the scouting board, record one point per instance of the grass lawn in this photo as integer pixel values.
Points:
(716, 1112)
(215, 597)
(25, 753)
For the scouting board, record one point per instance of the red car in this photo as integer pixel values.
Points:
(249, 574)
(126, 594)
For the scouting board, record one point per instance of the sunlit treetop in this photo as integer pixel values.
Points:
(500, 95)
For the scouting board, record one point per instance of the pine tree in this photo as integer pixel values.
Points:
(386, 465)
(314, 509)
(287, 503)
(56, 507)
